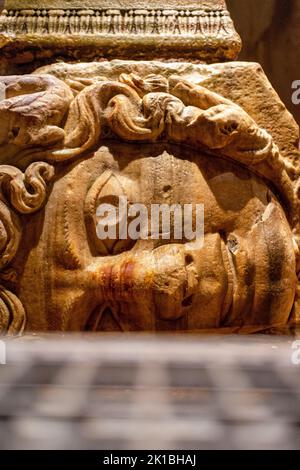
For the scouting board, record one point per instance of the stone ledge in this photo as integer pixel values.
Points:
(196, 31)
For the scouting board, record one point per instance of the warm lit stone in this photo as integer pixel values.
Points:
(76, 135)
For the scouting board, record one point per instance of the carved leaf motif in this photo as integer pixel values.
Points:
(87, 119)
(150, 84)
(33, 110)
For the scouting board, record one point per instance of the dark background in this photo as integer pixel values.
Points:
(270, 30)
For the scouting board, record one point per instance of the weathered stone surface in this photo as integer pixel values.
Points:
(156, 137)
(43, 31)
(75, 136)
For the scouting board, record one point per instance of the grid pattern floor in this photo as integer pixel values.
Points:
(150, 393)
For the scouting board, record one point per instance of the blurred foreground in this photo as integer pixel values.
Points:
(150, 392)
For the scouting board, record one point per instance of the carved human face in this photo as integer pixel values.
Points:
(242, 276)
(160, 140)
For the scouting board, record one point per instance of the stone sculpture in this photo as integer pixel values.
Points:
(75, 135)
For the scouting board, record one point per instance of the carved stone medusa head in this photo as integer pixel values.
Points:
(68, 145)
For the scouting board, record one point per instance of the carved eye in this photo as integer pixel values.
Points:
(105, 214)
